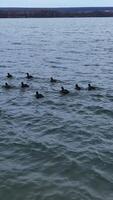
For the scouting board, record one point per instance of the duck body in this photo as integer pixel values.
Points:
(7, 86)
(24, 85)
(77, 87)
(52, 80)
(64, 91)
(29, 76)
(90, 87)
(9, 75)
(38, 96)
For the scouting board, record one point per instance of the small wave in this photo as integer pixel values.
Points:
(92, 65)
(103, 176)
(17, 43)
(55, 62)
(55, 66)
(102, 111)
(59, 58)
(3, 66)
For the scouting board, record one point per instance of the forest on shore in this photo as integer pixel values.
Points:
(56, 12)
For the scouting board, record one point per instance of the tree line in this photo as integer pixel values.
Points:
(55, 12)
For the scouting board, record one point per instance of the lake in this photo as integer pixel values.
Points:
(59, 147)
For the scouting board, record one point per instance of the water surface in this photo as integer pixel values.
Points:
(58, 147)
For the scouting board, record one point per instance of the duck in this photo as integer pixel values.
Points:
(64, 91)
(29, 76)
(24, 85)
(91, 87)
(38, 96)
(52, 80)
(77, 87)
(7, 86)
(9, 75)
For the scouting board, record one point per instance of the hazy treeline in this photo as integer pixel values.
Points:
(56, 12)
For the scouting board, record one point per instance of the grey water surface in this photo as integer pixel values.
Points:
(58, 147)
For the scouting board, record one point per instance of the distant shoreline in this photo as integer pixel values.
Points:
(56, 12)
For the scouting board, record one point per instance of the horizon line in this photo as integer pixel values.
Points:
(58, 7)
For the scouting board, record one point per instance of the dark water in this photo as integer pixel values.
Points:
(58, 147)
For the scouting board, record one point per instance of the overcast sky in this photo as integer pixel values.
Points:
(54, 3)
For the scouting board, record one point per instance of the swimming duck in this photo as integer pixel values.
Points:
(91, 87)
(24, 85)
(29, 76)
(77, 87)
(7, 86)
(38, 96)
(9, 75)
(52, 80)
(64, 91)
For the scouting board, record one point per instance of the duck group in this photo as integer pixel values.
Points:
(63, 91)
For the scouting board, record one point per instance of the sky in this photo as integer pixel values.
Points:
(55, 3)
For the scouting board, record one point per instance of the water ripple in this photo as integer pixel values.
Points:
(58, 147)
